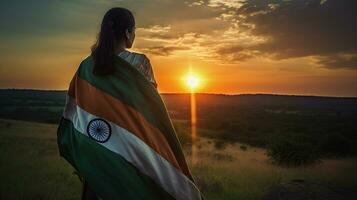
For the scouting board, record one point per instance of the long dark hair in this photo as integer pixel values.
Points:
(112, 31)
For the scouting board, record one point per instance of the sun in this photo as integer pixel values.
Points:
(192, 81)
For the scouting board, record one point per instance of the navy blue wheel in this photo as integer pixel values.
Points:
(99, 130)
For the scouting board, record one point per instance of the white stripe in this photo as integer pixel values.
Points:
(137, 152)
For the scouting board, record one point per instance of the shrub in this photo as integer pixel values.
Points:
(243, 147)
(293, 151)
(223, 157)
(219, 144)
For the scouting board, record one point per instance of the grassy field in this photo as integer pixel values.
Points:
(30, 164)
(30, 167)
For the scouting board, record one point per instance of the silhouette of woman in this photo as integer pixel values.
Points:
(117, 33)
(115, 129)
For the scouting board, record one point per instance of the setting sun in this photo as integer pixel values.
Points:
(192, 81)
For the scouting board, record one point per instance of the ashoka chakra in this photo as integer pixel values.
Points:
(99, 130)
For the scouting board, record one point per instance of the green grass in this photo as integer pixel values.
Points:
(31, 168)
(235, 173)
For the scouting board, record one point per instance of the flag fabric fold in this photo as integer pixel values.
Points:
(116, 132)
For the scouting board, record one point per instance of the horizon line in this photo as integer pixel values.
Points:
(210, 93)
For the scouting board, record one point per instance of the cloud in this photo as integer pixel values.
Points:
(280, 29)
(194, 3)
(163, 50)
(338, 61)
(323, 29)
(156, 29)
(222, 31)
(226, 3)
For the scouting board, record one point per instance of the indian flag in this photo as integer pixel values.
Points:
(116, 132)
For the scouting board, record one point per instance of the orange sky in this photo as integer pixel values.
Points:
(231, 49)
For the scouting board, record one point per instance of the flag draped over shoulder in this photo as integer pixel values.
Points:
(116, 132)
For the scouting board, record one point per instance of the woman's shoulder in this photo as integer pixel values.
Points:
(141, 62)
(145, 67)
(137, 59)
(133, 55)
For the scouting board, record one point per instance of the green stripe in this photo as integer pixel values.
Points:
(108, 173)
(131, 87)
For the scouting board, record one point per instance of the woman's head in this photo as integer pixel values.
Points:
(117, 31)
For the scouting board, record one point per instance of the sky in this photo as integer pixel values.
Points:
(300, 47)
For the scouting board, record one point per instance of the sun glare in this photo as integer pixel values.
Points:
(192, 81)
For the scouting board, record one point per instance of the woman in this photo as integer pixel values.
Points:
(115, 129)
(117, 33)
